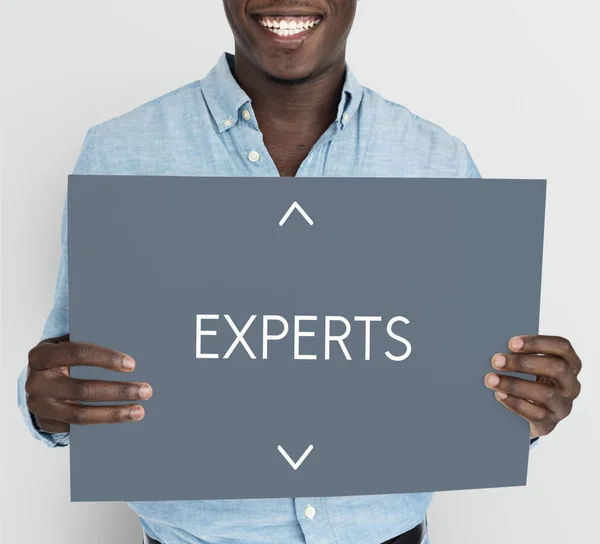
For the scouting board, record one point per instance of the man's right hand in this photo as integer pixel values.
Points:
(54, 397)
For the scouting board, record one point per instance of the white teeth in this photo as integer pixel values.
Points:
(285, 32)
(287, 27)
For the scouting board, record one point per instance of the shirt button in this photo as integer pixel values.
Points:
(310, 512)
(246, 115)
(253, 156)
(345, 118)
(228, 122)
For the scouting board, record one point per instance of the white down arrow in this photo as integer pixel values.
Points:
(296, 464)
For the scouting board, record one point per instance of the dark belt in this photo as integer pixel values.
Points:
(414, 536)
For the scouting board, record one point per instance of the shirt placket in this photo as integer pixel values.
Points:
(256, 157)
(313, 520)
(251, 146)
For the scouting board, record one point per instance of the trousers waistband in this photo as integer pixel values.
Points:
(414, 536)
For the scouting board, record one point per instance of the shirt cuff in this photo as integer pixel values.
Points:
(51, 440)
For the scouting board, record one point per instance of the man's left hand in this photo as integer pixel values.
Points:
(547, 400)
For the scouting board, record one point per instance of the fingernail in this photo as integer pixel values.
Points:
(501, 395)
(136, 413)
(492, 380)
(499, 361)
(128, 363)
(145, 392)
(516, 343)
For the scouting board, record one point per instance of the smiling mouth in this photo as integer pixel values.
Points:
(289, 26)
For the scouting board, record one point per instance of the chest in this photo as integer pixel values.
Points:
(288, 148)
(336, 152)
(199, 150)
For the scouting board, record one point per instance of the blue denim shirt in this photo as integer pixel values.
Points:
(208, 128)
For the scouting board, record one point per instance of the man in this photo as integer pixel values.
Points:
(285, 105)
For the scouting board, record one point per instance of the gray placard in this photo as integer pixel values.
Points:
(452, 267)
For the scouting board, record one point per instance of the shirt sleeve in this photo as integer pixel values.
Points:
(469, 169)
(57, 323)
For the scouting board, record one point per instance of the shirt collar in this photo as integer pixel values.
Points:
(352, 93)
(225, 97)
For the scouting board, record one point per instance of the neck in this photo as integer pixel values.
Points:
(310, 101)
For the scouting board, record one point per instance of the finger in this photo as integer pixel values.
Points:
(48, 355)
(536, 415)
(542, 394)
(547, 345)
(548, 366)
(78, 414)
(62, 387)
(52, 426)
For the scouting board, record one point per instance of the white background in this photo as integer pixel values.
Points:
(517, 81)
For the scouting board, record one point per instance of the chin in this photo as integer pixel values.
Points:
(289, 77)
(288, 71)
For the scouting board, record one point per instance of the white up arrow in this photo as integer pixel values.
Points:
(299, 461)
(295, 206)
